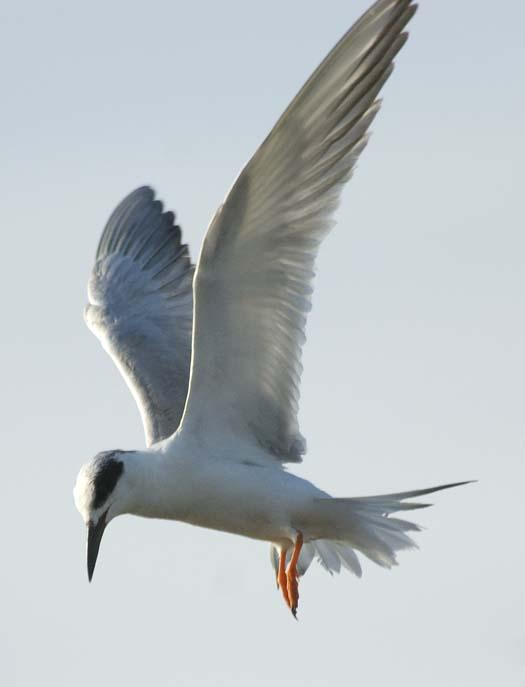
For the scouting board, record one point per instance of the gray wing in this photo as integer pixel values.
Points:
(140, 307)
(254, 276)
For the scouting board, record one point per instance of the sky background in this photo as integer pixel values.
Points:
(414, 365)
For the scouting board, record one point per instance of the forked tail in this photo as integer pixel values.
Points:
(362, 524)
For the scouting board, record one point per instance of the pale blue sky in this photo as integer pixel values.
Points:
(414, 371)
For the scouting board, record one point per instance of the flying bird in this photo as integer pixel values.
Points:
(212, 352)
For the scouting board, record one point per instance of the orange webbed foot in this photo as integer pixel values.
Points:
(292, 576)
(282, 580)
(288, 578)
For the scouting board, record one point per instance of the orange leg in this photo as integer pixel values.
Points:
(282, 580)
(292, 576)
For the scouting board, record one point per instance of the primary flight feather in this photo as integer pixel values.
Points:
(212, 354)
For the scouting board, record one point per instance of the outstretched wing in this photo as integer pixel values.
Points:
(140, 307)
(254, 277)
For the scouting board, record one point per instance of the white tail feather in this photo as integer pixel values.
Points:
(362, 524)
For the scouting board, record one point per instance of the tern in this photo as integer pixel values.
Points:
(212, 352)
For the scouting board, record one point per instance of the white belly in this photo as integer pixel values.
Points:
(256, 502)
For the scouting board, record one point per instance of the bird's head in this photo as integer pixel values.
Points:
(101, 493)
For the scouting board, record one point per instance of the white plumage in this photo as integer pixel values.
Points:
(220, 429)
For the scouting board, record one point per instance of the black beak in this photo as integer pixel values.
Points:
(95, 533)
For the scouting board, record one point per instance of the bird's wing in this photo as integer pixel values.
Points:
(141, 307)
(254, 276)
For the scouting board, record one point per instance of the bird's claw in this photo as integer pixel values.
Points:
(288, 578)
